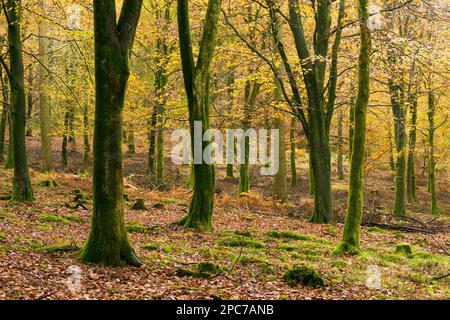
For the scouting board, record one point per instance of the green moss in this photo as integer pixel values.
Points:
(34, 244)
(287, 235)
(403, 248)
(43, 227)
(344, 247)
(287, 247)
(53, 218)
(208, 267)
(139, 205)
(135, 227)
(375, 230)
(150, 247)
(2, 235)
(391, 257)
(204, 270)
(181, 272)
(303, 275)
(339, 263)
(247, 234)
(74, 218)
(167, 249)
(422, 255)
(234, 242)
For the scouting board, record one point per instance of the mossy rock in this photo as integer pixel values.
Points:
(208, 267)
(150, 247)
(248, 243)
(204, 270)
(403, 248)
(139, 205)
(50, 183)
(303, 275)
(158, 205)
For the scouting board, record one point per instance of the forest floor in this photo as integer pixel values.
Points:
(255, 241)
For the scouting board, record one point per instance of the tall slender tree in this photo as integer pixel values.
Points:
(108, 242)
(44, 110)
(22, 190)
(196, 81)
(350, 238)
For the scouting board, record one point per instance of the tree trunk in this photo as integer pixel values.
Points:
(29, 131)
(410, 170)
(21, 186)
(340, 146)
(131, 147)
(108, 241)
(351, 235)
(196, 82)
(86, 145)
(434, 209)
(44, 110)
(293, 129)
(65, 141)
(5, 113)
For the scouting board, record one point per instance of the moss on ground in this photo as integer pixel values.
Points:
(303, 275)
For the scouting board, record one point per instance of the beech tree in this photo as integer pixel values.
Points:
(108, 242)
(350, 238)
(196, 82)
(22, 190)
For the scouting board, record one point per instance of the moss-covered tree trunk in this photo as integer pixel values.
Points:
(293, 148)
(350, 238)
(44, 110)
(319, 117)
(86, 144)
(131, 145)
(108, 241)
(410, 167)
(399, 113)
(4, 81)
(30, 102)
(251, 92)
(151, 143)
(230, 91)
(340, 145)
(65, 139)
(280, 182)
(21, 186)
(196, 82)
(434, 209)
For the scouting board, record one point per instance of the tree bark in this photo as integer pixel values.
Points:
(22, 190)
(196, 82)
(108, 241)
(350, 239)
(44, 110)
